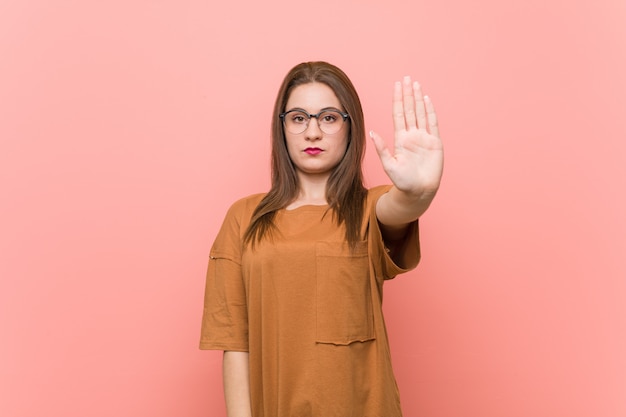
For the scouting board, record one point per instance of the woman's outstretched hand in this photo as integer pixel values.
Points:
(415, 164)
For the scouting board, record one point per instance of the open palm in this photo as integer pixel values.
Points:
(415, 164)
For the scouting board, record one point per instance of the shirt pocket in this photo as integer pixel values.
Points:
(343, 294)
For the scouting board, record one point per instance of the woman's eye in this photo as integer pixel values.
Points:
(328, 118)
(298, 118)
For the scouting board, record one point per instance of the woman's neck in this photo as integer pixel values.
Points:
(312, 191)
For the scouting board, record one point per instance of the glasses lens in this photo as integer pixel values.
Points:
(296, 122)
(330, 121)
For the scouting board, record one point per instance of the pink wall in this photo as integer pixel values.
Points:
(123, 141)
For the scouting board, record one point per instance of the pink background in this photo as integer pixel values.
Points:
(128, 127)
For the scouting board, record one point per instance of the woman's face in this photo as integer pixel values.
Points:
(313, 152)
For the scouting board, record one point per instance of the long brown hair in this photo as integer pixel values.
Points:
(345, 192)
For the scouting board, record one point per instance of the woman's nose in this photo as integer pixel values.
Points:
(313, 131)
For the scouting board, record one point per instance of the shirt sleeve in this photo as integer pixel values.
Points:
(384, 266)
(225, 314)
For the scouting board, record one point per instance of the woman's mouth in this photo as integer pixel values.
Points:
(313, 151)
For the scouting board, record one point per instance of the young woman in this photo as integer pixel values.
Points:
(294, 283)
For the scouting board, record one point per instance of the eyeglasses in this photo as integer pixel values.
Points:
(330, 121)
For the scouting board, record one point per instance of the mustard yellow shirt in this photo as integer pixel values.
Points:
(308, 311)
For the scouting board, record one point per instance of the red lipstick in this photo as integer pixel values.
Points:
(313, 151)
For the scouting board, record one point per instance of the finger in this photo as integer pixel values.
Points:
(381, 148)
(433, 127)
(409, 103)
(420, 107)
(398, 108)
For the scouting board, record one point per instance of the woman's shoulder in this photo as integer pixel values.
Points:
(250, 199)
(375, 192)
(245, 205)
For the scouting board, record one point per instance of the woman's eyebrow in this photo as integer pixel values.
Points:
(306, 111)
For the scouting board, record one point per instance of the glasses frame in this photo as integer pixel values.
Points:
(345, 116)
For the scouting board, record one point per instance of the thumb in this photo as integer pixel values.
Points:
(381, 147)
